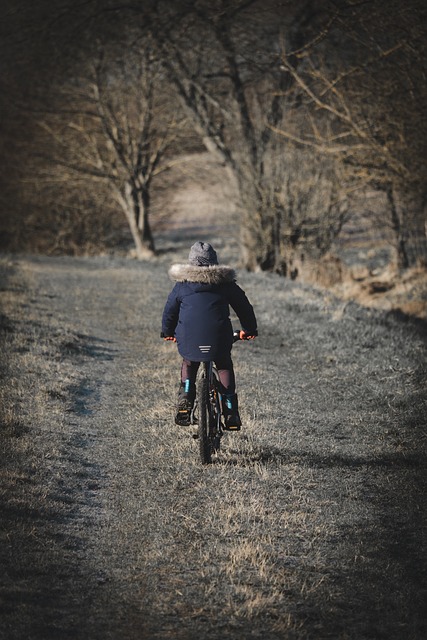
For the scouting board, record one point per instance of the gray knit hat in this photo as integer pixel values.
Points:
(202, 254)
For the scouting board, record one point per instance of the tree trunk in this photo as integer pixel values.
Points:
(400, 240)
(144, 248)
(142, 251)
(255, 244)
(260, 232)
(266, 243)
(408, 214)
(141, 204)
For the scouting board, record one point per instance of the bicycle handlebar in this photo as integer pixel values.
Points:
(237, 335)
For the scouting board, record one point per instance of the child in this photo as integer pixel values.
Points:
(196, 316)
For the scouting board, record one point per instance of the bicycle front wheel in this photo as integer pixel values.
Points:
(204, 421)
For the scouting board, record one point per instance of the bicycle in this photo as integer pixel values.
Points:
(207, 411)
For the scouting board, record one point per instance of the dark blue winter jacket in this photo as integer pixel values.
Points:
(197, 311)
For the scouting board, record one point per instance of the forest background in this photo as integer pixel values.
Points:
(307, 121)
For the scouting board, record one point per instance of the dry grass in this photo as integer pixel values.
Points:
(310, 523)
(389, 290)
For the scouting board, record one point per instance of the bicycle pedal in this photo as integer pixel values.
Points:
(232, 427)
(182, 418)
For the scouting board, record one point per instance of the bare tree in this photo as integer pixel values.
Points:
(365, 109)
(222, 60)
(313, 207)
(114, 134)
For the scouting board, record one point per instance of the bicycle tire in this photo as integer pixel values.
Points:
(204, 420)
(215, 417)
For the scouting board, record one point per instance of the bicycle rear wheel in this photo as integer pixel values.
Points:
(204, 420)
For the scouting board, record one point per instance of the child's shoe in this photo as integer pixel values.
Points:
(186, 396)
(230, 409)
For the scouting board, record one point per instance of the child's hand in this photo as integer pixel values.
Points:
(171, 338)
(246, 336)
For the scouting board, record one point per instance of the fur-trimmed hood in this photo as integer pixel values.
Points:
(213, 274)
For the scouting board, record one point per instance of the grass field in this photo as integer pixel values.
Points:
(309, 524)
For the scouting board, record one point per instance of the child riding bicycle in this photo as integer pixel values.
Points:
(196, 316)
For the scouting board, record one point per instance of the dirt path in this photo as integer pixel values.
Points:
(311, 522)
